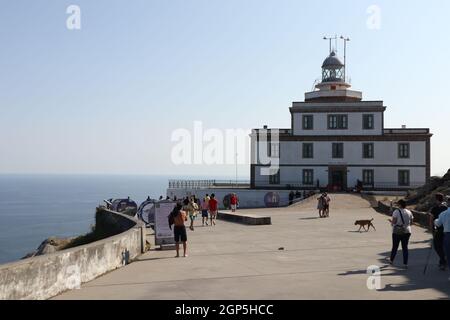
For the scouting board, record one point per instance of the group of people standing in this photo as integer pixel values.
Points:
(323, 205)
(208, 206)
(439, 224)
(190, 207)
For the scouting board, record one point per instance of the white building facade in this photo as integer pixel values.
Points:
(338, 141)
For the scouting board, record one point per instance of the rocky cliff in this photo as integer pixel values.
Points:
(423, 198)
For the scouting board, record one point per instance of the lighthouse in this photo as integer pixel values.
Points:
(337, 141)
(333, 86)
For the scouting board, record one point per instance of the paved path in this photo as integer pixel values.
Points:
(322, 259)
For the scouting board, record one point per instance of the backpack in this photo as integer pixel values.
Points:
(401, 229)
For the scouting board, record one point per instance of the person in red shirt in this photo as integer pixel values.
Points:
(213, 209)
(233, 202)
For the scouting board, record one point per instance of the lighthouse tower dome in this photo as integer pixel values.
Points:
(333, 86)
(333, 69)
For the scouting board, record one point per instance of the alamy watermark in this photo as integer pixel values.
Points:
(374, 20)
(213, 146)
(73, 22)
(374, 280)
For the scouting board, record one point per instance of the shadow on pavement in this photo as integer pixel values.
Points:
(151, 259)
(414, 277)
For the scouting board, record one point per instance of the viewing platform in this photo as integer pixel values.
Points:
(298, 256)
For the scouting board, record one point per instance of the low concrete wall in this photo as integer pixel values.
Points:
(420, 218)
(248, 219)
(45, 276)
(248, 198)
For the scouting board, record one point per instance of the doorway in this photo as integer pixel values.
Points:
(337, 179)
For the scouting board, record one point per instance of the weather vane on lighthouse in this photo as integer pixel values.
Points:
(330, 39)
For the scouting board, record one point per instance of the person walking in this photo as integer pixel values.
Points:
(213, 204)
(205, 207)
(320, 205)
(179, 230)
(444, 221)
(233, 202)
(438, 233)
(401, 223)
(326, 205)
(192, 210)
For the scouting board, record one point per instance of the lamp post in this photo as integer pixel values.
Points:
(236, 159)
(345, 56)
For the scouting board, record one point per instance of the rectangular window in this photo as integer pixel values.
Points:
(308, 177)
(308, 151)
(403, 150)
(337, 121)
(368, 123)
(367, 177)
(338, 150)
(274, 150)
(368, 151)
(308, 122)
(275, 178)
(403, 178)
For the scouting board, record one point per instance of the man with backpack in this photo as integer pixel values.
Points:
(177, 218)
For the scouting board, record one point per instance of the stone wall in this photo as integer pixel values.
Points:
(45, 276)
(420, 218)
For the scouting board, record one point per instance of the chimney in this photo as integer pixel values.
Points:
(265, 127)
(403, 126)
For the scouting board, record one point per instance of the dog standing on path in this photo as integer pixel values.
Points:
(365, 223)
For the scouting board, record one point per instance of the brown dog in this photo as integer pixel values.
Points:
(365, 223)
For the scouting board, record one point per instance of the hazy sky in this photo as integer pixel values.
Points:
(106, 98)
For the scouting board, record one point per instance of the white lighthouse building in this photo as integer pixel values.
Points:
(336, 140)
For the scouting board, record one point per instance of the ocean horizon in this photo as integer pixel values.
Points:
(34, 207)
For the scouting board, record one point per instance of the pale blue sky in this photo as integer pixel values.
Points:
(106, 98)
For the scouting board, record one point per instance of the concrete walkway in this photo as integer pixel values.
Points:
(322, 259)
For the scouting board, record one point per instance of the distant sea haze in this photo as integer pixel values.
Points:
(35, 207)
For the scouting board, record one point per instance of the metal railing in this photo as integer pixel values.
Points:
(269, 130)
(291, 185)
(407, 131)
(393, 185)
(204, 184)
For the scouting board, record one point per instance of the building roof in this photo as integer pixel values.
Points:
(332, 61)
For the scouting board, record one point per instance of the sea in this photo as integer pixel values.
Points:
(36, 207)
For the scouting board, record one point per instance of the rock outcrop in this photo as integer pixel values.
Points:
(423, 198)
(50, 245)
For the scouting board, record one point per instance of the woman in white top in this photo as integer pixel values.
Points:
(401, 231)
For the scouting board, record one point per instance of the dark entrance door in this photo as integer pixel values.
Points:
(337, 179)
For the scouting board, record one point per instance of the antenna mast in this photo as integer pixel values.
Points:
(345, 39)
(330, 39)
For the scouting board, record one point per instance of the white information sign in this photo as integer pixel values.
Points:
(163, 234)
